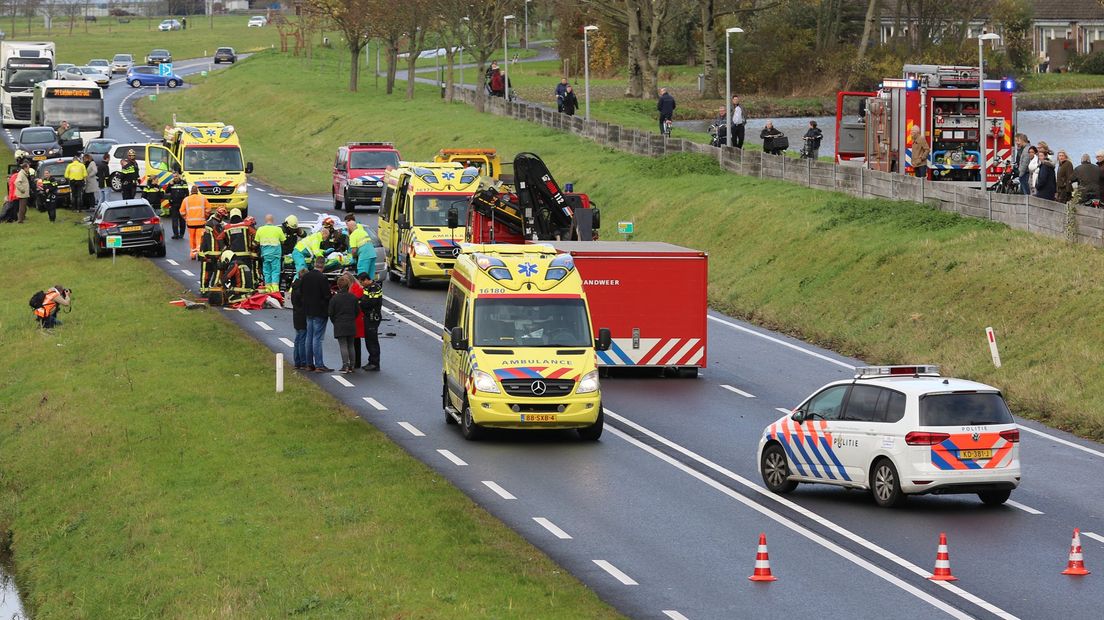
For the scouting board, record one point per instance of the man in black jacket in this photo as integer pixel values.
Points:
(1087, 178)
(315, 299)
(666, 106)
(371, 304)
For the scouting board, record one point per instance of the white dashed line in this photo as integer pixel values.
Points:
(789, 345)
(1028, 509)
(781, 410)
(503, 493)
(342, 380)
(187, 273)
(1096, 537)
(459, 462)
(1062, 441)
(302, 207)
(263, 325)
(375, 403)
(243, 311)
(738, 391)
(288, 201)
(411, 429)
(674, 615)
(172, 262)
(288, 342)
(412, 323)
(616, 573)
(552, 527)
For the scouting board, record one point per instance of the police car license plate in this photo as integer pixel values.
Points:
(538, 417)
(131, 228)
(975, 454)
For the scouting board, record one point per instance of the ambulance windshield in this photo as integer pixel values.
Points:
(531, 322)
(430, 210)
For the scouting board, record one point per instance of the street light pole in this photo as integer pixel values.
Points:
(983, 134)
(728, 86)
(463, 39)
(586, 69)
(506, 53)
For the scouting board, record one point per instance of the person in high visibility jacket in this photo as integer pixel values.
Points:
(362, 246)
(238, 235)
(152, 194)
(270, 238)
(76, 173)
(49, 189)
(292, 234)
(128, 174)
(194, 209)
(46, 314)
(210, 248)
(309, 248)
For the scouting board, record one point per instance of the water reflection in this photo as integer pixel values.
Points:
(10, 607)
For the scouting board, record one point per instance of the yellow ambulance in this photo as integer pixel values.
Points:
(518, 350)
(209, 157)
(420, 240)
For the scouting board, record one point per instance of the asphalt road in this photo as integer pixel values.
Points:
(661, 518)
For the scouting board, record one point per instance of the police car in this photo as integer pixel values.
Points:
(897, 431)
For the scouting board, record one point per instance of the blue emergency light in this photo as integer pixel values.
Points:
(912, 84)
(1008, 85)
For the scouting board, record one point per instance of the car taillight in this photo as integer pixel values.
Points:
(107, 225)
(153, 220)
(923, 438)
(1012, 435)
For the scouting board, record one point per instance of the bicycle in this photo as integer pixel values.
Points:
(667, 128)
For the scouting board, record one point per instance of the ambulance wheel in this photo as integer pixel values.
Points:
(411, 280)
(885, 484)
(594, 431)
(172, 83)
(994, 498)
(392, 276)
(775, 470)
(468, 428)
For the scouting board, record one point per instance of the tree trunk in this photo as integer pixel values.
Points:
(480, 90)
(392, 65)
(869, 24)
(709, 51)
(411, 63)
(450, 81)
(635, 88)
(354, 66)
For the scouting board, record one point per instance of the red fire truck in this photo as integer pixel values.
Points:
(874, 129)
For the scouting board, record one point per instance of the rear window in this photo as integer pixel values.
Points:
(130, 212)
(964, 409)
(224, 50)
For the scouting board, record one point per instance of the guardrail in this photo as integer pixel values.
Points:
(1073, 223)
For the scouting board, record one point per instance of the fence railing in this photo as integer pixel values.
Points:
(1053, 219)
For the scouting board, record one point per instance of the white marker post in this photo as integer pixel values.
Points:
(279, 373)
(993, 346)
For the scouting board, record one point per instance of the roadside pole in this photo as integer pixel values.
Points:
(279, 373)
(993, 346)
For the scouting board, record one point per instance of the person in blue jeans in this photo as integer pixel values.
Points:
(299, 322)
(314, 294)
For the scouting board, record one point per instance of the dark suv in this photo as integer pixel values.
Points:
(358, 173)
(225, 54)
(132, 220)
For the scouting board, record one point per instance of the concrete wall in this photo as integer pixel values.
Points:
(1085, 225)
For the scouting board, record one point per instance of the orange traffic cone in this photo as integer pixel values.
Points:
(1076, 565)
(762, 562)
(942, 570)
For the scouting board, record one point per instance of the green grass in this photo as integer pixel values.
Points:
(107, 37)
(1058, 82)
(150, 471)
(889, 281)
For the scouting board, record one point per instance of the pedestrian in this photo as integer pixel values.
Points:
(23, 189)
(102, 170)
(1087, 178)
(361, 245)
(771, 137)
(91, 183)
(570, 102)
(128, 174)
(11, 206)
(496, 83)
(46, 314)
(315, 301)
(49, 194)
(371, 308)
(921, 151)
(666, 107)
(270, 238)
(1100, 160)
(178, 191)
(813, 137)
(1032, 168)
(561, 90)
(738, 122)
(343, 311)
(194, 209)
(1064, 178)
(183, 23)
(299, 322)
(1045, 184)
(1022, 162)
(76, 173)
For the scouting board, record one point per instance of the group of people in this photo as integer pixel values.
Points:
(1053, 175)
(495, 81)
(355, 311)
(566, 101)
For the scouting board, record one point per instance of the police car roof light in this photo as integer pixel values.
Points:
(896, 371)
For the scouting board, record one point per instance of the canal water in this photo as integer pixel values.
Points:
(1076, 131)
(10, 607)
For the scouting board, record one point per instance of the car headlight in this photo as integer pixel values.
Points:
(241, 189)
(379, 183)
(53, 151)
(484, 382)
(588, 384)
(421, 249)
(356, 182)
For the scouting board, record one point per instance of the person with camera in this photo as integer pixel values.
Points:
(51, 301)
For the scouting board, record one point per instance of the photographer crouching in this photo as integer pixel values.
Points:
(46, 305)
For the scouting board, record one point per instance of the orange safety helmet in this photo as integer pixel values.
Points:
(328, 222)
(222, 212)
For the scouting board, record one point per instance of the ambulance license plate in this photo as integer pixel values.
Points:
(538, 417)
(975, 454)
(130, 228)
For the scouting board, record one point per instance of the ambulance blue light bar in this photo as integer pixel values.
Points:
(866, 372)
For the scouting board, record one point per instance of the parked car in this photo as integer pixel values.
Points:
(133, 220)
(98, 146)
(122, 63)
(60, 69)
(118, 152)
(56, 167)
(257, 21)
(225, 54)
(169, 24)
(151, 76)
(39, 142)
(158, 56)
(95, 74)
(100, 63)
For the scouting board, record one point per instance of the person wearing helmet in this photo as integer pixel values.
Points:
(309, 248)
(128, 174)
(271, 238)
(152, 193)
(178, 191)
(337, 241)
(238, 237)
(292, 234)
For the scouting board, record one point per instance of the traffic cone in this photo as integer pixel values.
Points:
(942, 570)
(762, 562)
(1076, 565)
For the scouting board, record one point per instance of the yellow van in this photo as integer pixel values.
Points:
(518, 347)
(414, 223)
(209, 157)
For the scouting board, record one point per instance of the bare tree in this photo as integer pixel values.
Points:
(485, 38)
(869, 24)
(644, 21)
(353, 18)
(417, 20)
(711, 11)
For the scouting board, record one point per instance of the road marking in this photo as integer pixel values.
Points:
(242, 311)
(375, 403)
(740, 392)
(410, 428)
(187, 273)
(342, 380)
(288, 342)
(1096, 537)
(503, 493)
(172, 262)
(1028, 509)
(1062, 441)
(783, 410)
(674, 615)
(416, 313)
(412, 324)
(781, 342)
(288, 201)
(263, 325)
(616, 573)
(552, 527)
(803, 531)
(459, 462)
(302, 207)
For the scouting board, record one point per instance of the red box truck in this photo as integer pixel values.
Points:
(652, 297)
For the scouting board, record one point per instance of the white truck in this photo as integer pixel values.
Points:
(24, 64)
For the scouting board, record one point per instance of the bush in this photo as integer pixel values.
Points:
(1091, 63)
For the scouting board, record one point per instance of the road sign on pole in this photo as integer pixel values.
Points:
(165, 69)
(113, 242)
(625, 228)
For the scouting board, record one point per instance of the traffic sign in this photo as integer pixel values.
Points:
(114, 241)
(165, 69)
(625, 228)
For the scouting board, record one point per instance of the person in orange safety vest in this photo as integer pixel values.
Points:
(194, 209)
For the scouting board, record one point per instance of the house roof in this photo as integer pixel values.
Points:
(1068, 10)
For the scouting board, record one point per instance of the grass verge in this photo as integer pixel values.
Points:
(149, 470)
(889, 281)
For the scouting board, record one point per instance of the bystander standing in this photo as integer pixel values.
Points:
(315, 295)
(1063, 177)
(343, 311)
(299, 322)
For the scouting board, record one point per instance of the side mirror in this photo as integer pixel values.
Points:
(603, 342)
(107, 121)
(453, 217)
(596, 219)
(457, 340)
(798, 416)
(249, 167)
